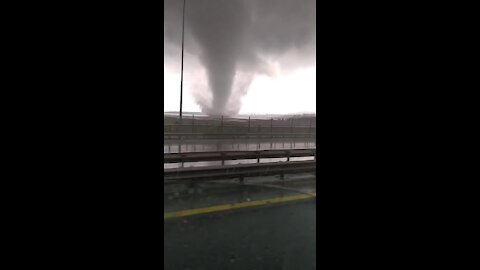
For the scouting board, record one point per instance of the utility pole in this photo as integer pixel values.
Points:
(181, 78)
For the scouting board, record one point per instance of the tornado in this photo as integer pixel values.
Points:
(240, 39)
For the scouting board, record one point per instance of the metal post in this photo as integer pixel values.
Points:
(271, 128)
(221, 124)
(193, 123)
(181, 78)
(180, 144)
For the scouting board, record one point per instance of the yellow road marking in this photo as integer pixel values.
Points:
(225, 207)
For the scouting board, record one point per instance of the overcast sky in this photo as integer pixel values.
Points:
(241, 56)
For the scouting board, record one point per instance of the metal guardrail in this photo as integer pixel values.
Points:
(182, 136)
(236, 155)
(233, 128)
(238, 171)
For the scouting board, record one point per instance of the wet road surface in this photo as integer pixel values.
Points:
(272, 237)
(277, 236)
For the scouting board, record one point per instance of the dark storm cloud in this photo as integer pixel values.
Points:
(232, 39)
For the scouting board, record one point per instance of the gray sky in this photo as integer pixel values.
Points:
(241, 56)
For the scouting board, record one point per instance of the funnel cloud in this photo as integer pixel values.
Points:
(234, 40)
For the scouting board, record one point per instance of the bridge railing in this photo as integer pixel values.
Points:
(241, 171)
(177, 128)
(186, 136)
(237, 155)
(232, 125)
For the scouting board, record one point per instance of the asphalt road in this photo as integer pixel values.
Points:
(277, 236)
